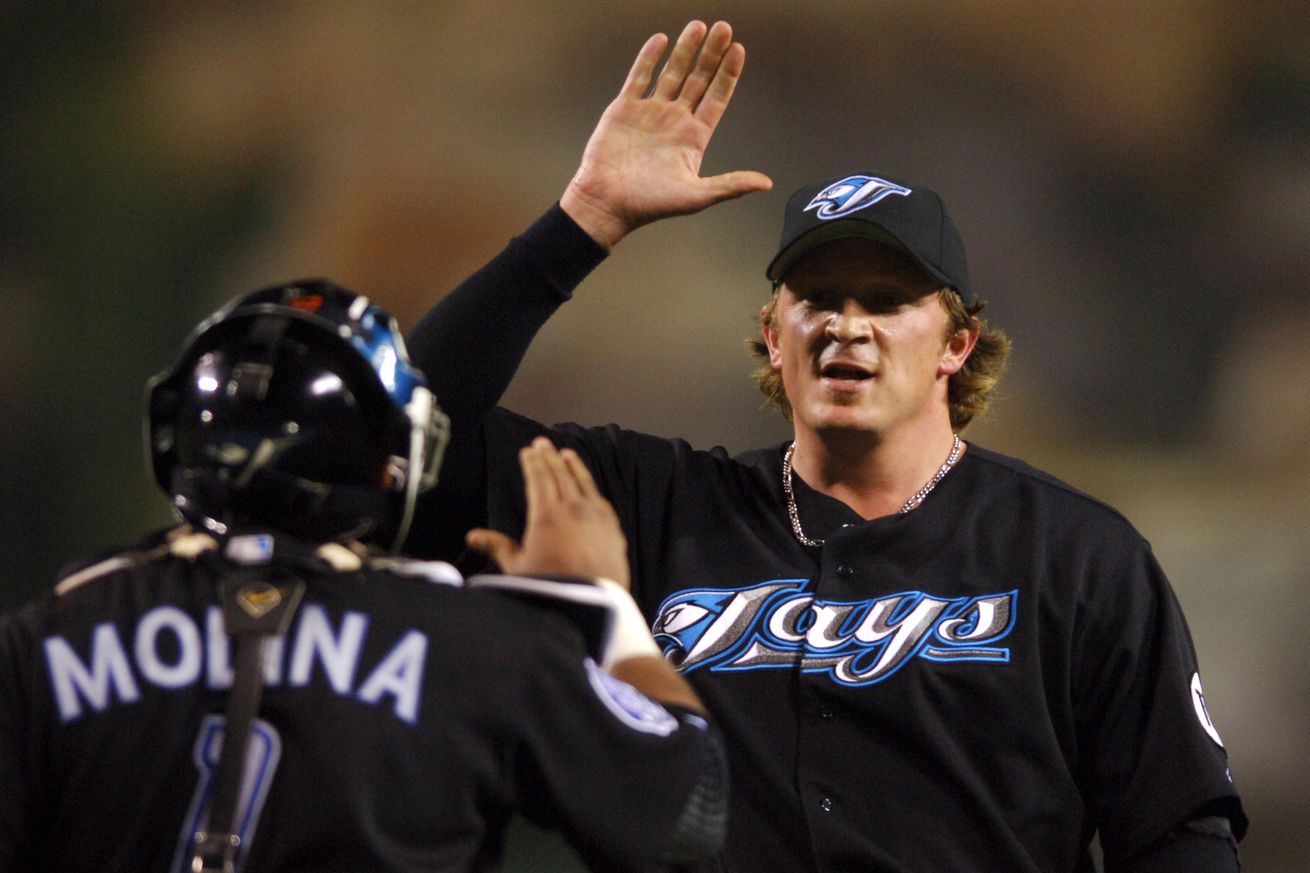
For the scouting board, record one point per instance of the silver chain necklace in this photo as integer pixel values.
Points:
(910, 504)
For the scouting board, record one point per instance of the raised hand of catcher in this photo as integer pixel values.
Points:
(572, 530)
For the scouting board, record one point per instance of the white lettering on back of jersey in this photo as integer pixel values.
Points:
(169, 650)
(109, 667)
(401, 674)
(218, 653)
(337, 654)
(148, 658)
(273, 660)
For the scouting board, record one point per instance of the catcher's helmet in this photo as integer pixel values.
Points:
(295, 408)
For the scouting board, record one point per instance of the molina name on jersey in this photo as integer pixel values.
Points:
(169, 649)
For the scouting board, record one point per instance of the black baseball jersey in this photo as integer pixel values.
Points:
(405, 718)
(981, 683)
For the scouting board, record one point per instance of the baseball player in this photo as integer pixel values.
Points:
(924, 655)
(254, 690)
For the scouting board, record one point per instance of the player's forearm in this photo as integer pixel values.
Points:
(654, 677)
(631, 654)
(471, 343)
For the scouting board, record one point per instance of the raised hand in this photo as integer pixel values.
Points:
(643, 160)
(572, 530)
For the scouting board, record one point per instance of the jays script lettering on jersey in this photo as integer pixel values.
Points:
(171, 651)
(770, 624)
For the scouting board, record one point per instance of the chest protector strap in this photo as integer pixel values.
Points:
(258, 603)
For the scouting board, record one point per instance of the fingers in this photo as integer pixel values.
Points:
(554, 475)
(718, 93)
(669, 84)
(539, 483)
(571, 528)
(566, 483)
(643, 68)
(544, 474)
(500, 548)
(582, 477)
(642, 161)
(715, 53)
(702, 61)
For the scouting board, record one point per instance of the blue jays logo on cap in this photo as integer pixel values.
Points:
(852, 194)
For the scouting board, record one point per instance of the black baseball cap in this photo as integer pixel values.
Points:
(907, 217)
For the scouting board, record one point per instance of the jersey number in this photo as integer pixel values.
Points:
(262, 756)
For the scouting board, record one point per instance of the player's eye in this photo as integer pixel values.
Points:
(818, 298)
(884, 299)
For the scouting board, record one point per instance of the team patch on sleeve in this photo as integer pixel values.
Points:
(629, 705)
(1202, 712)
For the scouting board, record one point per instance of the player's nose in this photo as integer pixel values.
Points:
(849, 324)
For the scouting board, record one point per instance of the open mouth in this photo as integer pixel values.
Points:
(845, 373)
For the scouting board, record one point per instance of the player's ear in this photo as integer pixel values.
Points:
(959, 345)
(769, 330)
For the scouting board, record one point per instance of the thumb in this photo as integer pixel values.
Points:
(500, 548)
(727, 186)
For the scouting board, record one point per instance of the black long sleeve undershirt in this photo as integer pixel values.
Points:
(471, 343)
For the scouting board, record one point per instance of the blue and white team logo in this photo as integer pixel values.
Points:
(772, 624)
(250, 549)
(852, 194)
(1202, 711)
(629, 705)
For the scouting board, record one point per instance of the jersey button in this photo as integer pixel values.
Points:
(845, 571)
(825, 712)
(826, 804)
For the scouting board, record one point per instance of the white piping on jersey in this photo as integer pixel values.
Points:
(181, 541)
(186, 543)
(433, 571)
(86, 574)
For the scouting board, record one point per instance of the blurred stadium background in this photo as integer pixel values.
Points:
(1132, 181)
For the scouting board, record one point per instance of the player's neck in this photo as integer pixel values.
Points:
(874, 474)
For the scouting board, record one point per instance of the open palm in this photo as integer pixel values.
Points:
(643, 160)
